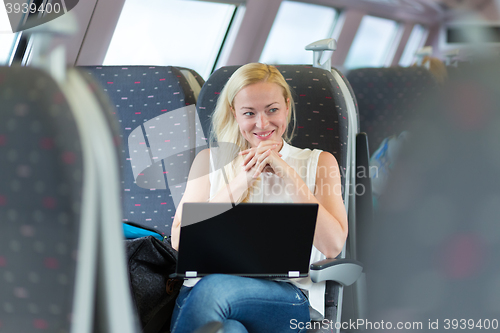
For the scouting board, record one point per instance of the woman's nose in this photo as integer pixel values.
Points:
(262, 121)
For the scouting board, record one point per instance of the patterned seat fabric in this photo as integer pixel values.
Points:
(388, 98)
(322, 123)
(199, 80)
(434, 250)
(155, 109)
(40, 197)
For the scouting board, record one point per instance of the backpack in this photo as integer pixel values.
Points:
(382, 163)
(150, 262)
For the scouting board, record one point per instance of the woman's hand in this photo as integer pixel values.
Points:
(264, 158)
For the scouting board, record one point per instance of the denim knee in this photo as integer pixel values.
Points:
(213, 288)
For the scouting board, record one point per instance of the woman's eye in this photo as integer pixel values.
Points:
(248, 113)
(273, 110)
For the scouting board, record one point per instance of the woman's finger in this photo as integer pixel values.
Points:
(253, 154)
(268, 143)
(248, 157)
(251, 158)
(244, 152)
(261, 148)
(262, 162)
(250, 161)
(264, 148)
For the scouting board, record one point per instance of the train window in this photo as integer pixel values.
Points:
(174, 32)
(372, 43)
(7, 45)
(416, 40)
(296, 25)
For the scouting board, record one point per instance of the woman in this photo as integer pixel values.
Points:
(253, 112)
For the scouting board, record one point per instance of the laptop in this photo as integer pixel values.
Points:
(268, 240)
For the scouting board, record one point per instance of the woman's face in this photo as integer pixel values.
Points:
(261, 112)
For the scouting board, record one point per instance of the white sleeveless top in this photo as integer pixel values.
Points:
(271, 189)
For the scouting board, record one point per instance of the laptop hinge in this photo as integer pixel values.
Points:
(191, 274)
(293, 274)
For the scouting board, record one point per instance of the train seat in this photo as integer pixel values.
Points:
(40, 203)
(322, 123)
(155, 107)
(194, 79)
(388, 98)
(57, 274)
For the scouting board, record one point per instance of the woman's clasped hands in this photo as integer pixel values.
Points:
(264, 158)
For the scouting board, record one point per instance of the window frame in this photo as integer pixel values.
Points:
(390, 52)
(214, 54)
(333, 29)
(420, 44)
(13, 49)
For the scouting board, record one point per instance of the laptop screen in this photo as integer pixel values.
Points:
(249, 239)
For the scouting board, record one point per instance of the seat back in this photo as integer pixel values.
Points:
(45, 219)
(60, 215)
(156, 113)
(101, 137)
(388, 98)
(194, 80)
(323, 122)
(433, 250)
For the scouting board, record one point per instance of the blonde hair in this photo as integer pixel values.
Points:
(224, 126)
(436, 67)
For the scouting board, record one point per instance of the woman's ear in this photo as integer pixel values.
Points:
(287, 105)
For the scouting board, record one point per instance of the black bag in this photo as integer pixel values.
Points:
(150, 262)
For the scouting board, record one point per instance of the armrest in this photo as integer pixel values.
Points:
(343, 271)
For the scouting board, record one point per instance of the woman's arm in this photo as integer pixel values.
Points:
(331, 224)
(197, 190)
(235, 189)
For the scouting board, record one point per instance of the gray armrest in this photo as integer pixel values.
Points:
(343, 271)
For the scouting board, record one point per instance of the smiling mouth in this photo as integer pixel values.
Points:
(264, 135)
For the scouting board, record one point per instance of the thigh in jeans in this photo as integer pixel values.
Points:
(260, 305)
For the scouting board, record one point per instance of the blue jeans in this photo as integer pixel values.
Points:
(242, 304)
